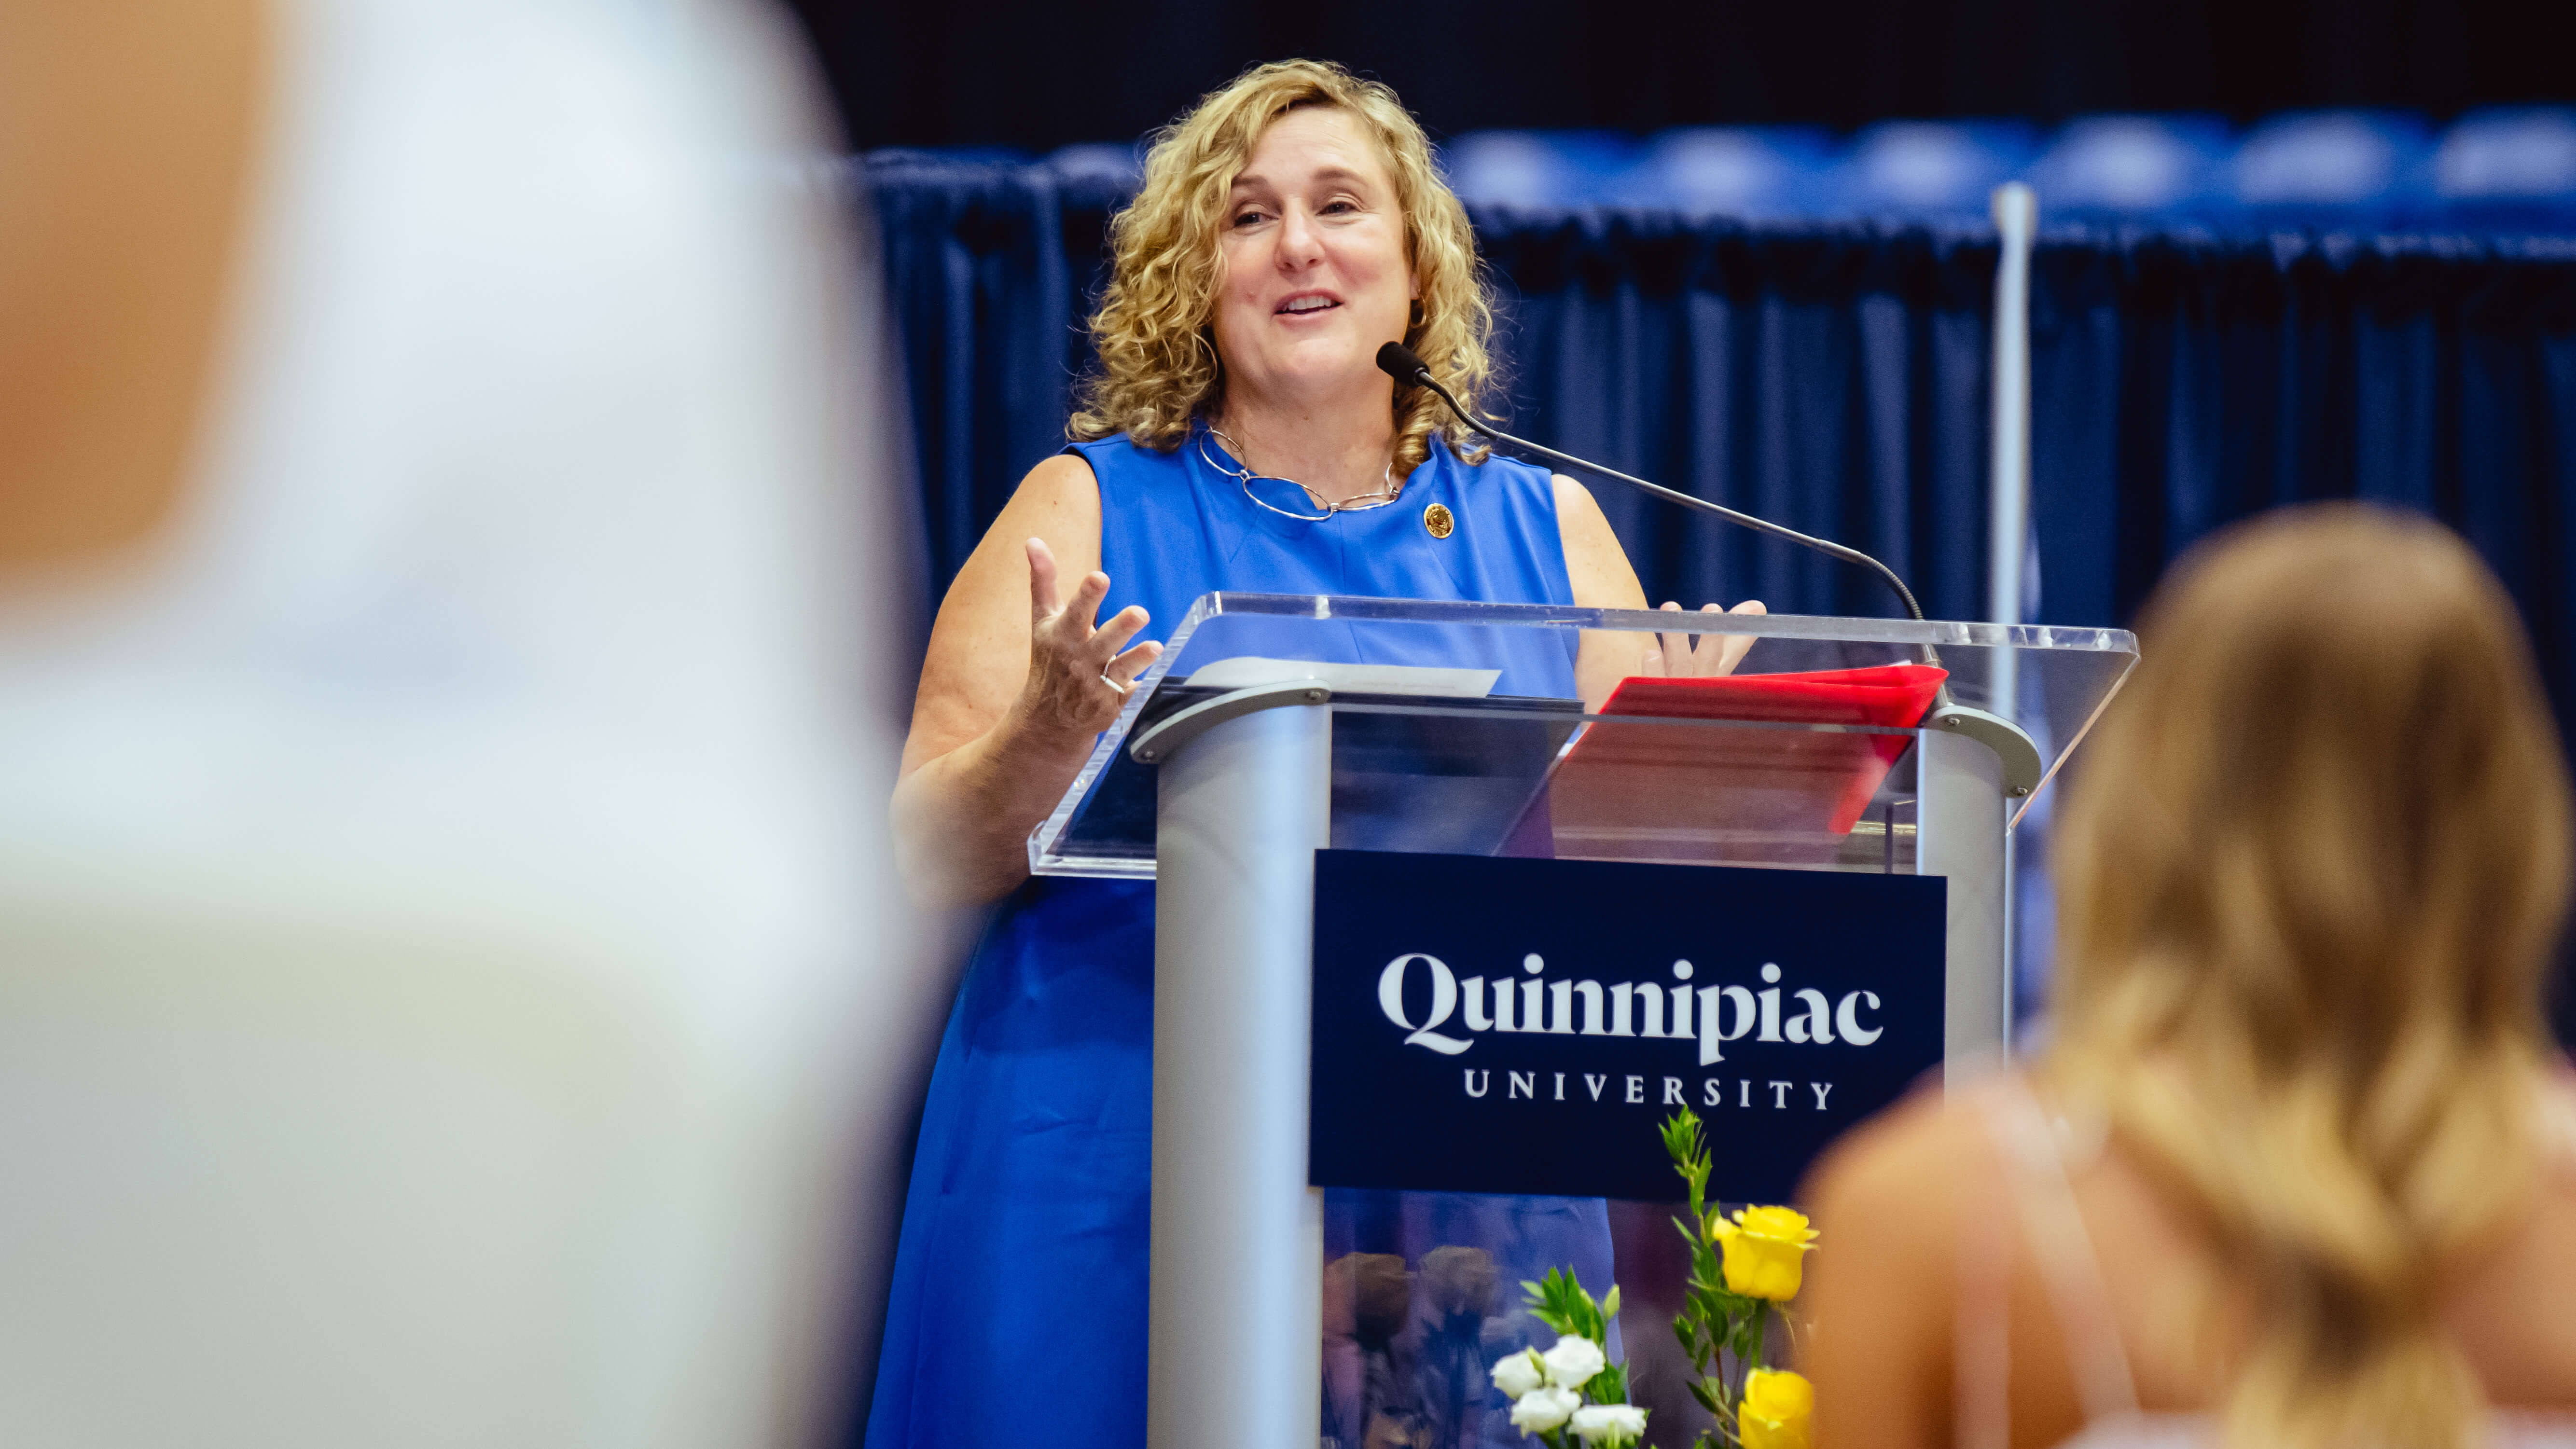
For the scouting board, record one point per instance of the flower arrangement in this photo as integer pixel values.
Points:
(1744, 1271)
(1571, 1389)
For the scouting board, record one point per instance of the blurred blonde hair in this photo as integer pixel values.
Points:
(1158, 366)
(2312, 875)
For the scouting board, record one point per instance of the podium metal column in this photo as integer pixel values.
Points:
(1235, 1331)
(1960, 805)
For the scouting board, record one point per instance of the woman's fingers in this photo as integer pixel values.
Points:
(1113, 636)
(1123, 670)
(1073, 676)
(1674, 649)
(1046, 602)
(1084, 606)
(1042, 595)
(1704, 650)
(1700, 653)
(1733, 645)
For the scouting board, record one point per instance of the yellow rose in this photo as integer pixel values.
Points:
(1766, 1251)
(1777, 1405)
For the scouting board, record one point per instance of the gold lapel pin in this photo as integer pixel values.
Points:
(1439, 521)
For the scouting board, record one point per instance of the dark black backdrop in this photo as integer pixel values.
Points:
(1038, 75)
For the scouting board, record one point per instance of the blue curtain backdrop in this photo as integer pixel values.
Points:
(1832, 375)
(1829, 377)
(2181, 384)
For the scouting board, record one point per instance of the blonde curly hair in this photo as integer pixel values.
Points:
(1158, 366)
(2308, 889)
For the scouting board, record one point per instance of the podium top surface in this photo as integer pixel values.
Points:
(1456, 724)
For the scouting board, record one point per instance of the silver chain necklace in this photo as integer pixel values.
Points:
(1244, 475)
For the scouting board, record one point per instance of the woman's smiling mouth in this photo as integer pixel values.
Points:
(1304, 304)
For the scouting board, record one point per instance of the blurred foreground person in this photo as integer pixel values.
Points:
(2298, 1170)
(445, 979)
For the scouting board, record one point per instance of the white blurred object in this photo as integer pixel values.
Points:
(451, 991)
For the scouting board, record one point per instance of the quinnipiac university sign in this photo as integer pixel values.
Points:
(1524, 1026)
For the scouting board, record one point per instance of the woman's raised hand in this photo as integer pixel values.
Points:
(1078, 678)
(1682, 655)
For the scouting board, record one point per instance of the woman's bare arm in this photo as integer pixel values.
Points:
(1602, 578)
(1013, 690)
(1880, 1287)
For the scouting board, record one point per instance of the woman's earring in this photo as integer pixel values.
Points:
(1418, 313)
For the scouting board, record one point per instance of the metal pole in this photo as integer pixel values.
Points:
(1235, 1331)
(2016, 211)
(1960, 834)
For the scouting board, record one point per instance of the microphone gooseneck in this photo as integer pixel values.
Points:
(2022, 765)
(1399, 362)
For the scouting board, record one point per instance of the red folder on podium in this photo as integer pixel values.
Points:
(1643, 791)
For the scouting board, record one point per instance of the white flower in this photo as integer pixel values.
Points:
(1520, 1373)
(1573, 1362)
(1609, 1423)
(1541, 1410)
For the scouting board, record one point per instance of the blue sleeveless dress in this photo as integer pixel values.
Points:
(1017, 1307)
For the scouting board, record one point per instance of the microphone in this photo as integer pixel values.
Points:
(2019, 754)
(1399, 362)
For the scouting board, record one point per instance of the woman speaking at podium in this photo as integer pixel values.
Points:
(1236, 434)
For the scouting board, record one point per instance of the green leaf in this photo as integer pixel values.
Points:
(1610, 1386)
(1707, 1396)
(1676, 1131)
(1686, 1143)
(1560, 1302)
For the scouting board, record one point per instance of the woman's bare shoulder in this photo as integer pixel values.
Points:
(1059, 501)
(2507, 1308)
(1063, 478)
(1893, 1158)
(1595, 564)
(1885, 1203)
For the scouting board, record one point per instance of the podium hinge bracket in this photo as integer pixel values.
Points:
(1161, 740)
(2022, 767)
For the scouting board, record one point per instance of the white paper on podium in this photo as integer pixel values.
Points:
(1244, 671)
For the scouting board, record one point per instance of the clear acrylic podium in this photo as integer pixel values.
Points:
(1274, 726)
